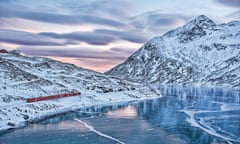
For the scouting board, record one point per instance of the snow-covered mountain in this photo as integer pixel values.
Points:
(47, 76)
(24, 77)
(200, 52)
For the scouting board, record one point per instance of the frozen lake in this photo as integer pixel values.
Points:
(182, 116)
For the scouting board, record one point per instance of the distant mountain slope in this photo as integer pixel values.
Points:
(43, 76)
(200, 52)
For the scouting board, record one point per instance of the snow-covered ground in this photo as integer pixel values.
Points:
(24, 77)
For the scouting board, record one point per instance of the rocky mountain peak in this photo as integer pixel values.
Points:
(195, 29)
(202, 21)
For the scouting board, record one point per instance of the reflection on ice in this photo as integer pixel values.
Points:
(189, 93)
(128, 112)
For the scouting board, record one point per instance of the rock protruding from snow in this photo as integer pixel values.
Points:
(201, 22)
(3, 51)
(200, 52)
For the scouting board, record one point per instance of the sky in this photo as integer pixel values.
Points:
(98, 34)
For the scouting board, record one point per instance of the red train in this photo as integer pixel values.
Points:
(29, 100)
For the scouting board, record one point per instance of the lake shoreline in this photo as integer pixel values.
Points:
(69, 109)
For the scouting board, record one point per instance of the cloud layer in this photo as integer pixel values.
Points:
(232, 3)
(97, 31)
(101, 36)
(26, 38)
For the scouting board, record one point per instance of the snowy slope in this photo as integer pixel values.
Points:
(200, 52)
(24, 77)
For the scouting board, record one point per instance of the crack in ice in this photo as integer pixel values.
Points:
(91, 128)
(191, 119)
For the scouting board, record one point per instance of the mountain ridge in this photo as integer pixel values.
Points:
(200, 52)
